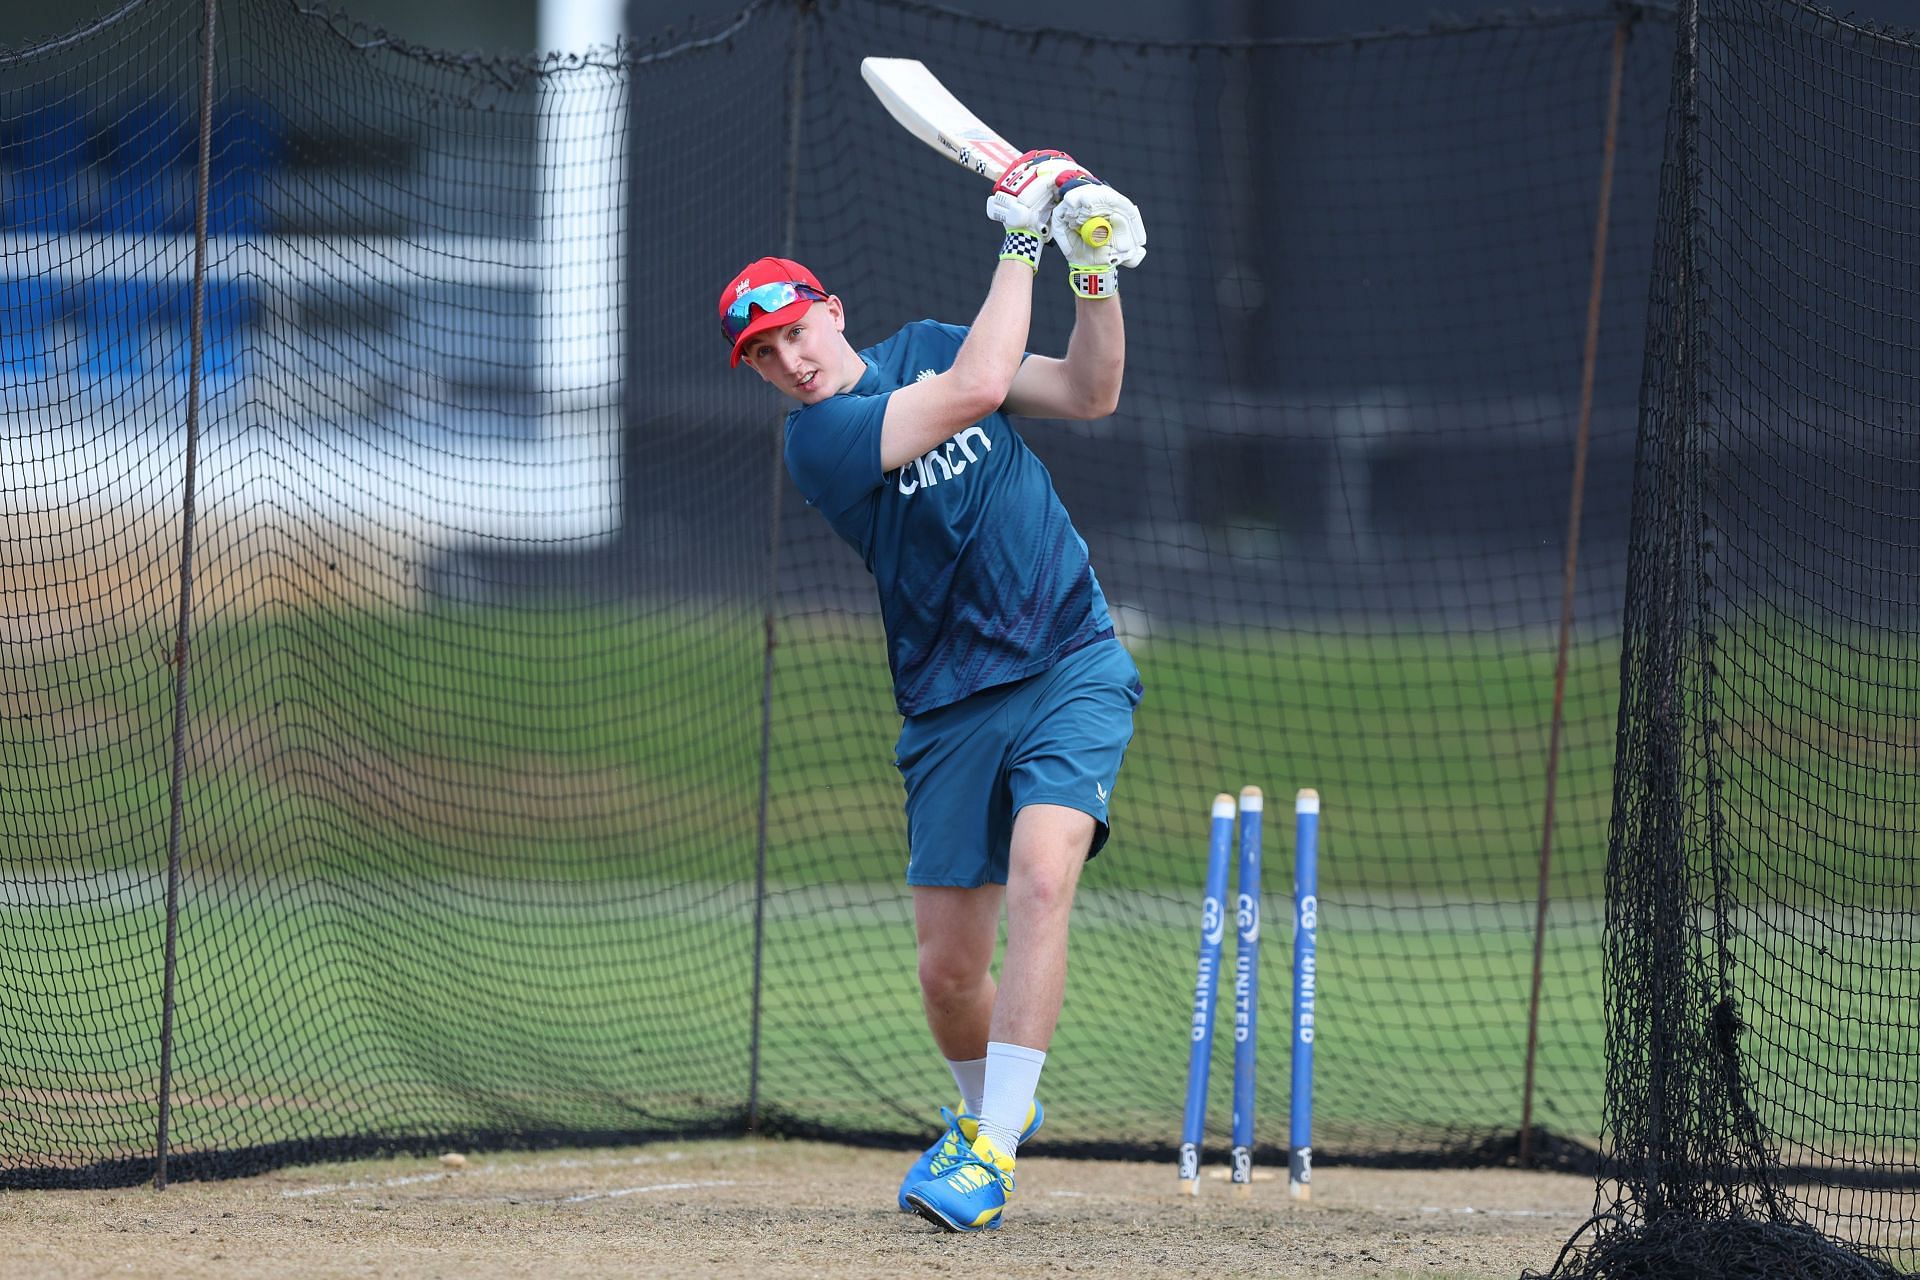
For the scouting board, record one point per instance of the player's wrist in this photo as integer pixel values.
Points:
(1021, 246)
(1093, 280)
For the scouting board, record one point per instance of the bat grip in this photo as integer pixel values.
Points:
(1096, 231)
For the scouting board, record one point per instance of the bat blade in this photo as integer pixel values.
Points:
(927, 109)
(924, 107)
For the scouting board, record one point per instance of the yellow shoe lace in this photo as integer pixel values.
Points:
(970, 1173)
(988, 1152)
(954, 1142)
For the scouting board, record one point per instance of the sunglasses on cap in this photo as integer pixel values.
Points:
(769, 298)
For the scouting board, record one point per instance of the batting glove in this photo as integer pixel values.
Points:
(1023, 201)
(1090, 267)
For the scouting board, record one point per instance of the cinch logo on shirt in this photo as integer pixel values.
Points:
(938, 464)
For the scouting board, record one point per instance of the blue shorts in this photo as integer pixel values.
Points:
(1053, 738)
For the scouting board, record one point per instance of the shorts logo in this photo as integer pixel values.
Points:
(1100, 791)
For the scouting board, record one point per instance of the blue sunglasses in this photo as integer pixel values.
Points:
(769, 298)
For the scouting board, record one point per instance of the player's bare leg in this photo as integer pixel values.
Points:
(1050, 844)
(957, 929)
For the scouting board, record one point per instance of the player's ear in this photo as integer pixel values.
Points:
(838, 312)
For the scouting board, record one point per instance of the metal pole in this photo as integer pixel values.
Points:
(1575, 503)
(182, 630)
(770, 621)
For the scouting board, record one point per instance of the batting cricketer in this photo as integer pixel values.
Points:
(1017, 700)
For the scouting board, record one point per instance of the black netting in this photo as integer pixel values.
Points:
(1763, 1099)
(471, 755)
(467, 829)
(486, 543)
(1331, 516)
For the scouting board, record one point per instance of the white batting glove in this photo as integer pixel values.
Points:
(1122, 236)
(1024, 197)
(1126, 243)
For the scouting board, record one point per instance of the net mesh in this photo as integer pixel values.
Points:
(489, 546)
(1761, 1106)
(462, 845)
(487, 540)
(1305, 515)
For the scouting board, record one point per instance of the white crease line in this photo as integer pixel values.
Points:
(1501, 1213)
(634, 1191)
(570, 1162)
(490, 1169)
(408, 1180)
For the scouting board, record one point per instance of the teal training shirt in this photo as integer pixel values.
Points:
(982, 577)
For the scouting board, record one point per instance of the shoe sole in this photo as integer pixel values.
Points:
(941, 1220)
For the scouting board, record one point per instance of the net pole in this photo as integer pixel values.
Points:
(770, 621)
(1589, 359)
(580, 228)
(196, 340)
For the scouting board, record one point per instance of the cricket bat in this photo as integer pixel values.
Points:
(928, 110)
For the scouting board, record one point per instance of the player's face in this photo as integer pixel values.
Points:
(806, 359)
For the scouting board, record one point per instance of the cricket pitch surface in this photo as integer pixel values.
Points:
(769, 1209)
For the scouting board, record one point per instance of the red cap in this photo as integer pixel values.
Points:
(754, 275)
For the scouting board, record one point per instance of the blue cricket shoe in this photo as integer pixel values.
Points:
(961, 1132)
(970, 1194)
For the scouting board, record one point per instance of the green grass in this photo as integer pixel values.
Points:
(496, 865)
(427, 1005)
(620, 742)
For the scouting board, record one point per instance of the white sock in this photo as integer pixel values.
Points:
(970, 1075)
(1013, 1073)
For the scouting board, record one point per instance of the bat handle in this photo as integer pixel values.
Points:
(1096, 231)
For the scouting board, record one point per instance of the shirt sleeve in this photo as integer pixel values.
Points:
(954, 334)
(833, 450)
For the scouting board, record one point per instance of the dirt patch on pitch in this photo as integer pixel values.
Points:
(782, 1209)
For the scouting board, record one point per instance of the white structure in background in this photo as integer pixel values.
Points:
(116, 452)
(582, 158)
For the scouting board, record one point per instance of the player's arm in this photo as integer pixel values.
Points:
(919, 417)
(1086, 383)
(923, 414)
